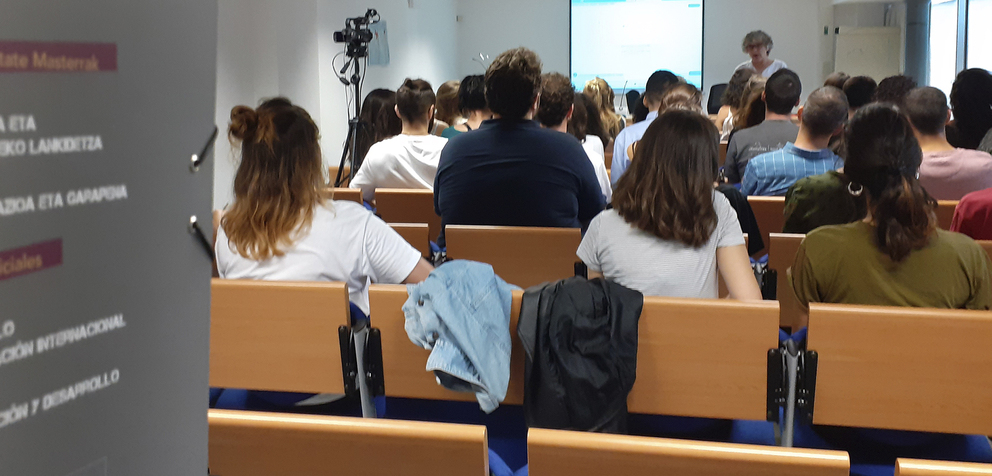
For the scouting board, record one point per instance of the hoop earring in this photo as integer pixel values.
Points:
(853, 192)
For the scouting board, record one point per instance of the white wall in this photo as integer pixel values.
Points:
(273, 47)
(543, 25)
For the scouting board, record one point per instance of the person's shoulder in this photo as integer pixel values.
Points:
(980, 197)
(831, 237)
(335, 210)
(960, 244)
(745, 65)
(781, 64)
(720, 200)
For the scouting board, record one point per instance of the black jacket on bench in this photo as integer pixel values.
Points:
(580, 342)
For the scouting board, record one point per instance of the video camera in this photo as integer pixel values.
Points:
(356, 34)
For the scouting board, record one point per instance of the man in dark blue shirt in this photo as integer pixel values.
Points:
(512, 172)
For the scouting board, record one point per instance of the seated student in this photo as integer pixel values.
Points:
(897, 256)
(511, 172)
(447, 113)
(578, 125)
(601, 96)
(280, 229)
(947, 173)
(859, 91)
(782, 91)
(971, 101)
(654, 90)
(837, 79)
(821, 200)
(730, 101)
(556, 112)
(973, 215)
(410, 159)
(378, 120)
(669, 231)
(893, 90)
(751, 110)
(772, 173)
(757, 44)
(472, 103)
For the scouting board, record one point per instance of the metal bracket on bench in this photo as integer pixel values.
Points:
(806, 387)
(349, 363)
(373, 363)
(776, 384)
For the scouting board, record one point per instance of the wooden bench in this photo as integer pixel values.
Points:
(918, 467)
(397, 205)
(332, 173)
(277, 335)
(524, 256)
(902, 368)
(769, 212)
(265, 444)
(945, 212)
(723, 152)
(572, 453)
(340, 193)
(782, 249)
(417, 234)
(986, 245)
(679, 369)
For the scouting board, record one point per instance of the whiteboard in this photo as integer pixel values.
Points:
(875, 51)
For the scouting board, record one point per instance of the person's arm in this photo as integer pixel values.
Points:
(749, 182)
(730, 166)
(419, 273)
(802, 282)
(594, 274)
(590, 196)
(620, 159)
(735, 267)
(365, 177)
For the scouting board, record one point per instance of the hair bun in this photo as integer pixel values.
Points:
(244, 122)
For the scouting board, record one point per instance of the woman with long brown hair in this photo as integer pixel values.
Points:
(279, 227)
(601, 94)
(896, 256)
(669, 231)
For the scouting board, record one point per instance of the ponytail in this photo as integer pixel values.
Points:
(904, 215)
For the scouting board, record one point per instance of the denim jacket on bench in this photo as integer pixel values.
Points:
(462, 312)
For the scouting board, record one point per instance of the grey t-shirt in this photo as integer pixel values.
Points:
(749, 143)
(641, 261)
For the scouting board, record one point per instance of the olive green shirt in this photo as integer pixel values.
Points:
(841, 264)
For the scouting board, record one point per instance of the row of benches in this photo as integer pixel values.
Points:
(263, 444)
(702, 358)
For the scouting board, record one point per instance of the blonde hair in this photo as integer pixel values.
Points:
(601, 95)
(277, 185)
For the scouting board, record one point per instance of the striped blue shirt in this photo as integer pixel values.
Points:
(772, 173)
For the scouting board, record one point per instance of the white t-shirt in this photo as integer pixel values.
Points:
(401, 161)
(641, 261)
(770, 70)
(593, 146)
(346, 243)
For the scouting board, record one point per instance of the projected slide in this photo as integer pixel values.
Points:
(624, 42)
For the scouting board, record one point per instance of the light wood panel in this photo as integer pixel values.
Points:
(945, 212)
(283, 336)
(769, 212)
(704, 357)
(525, 256)
(340, 193)
(987, 246)
(397, 205)
(782, 249)
(417, 234)
(919, 467)
(266, 444)
(571, 453)
(902, 368)
(332, 173)
(404, 364)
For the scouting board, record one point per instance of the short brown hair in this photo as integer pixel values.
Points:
(446, 109)
(414, 100)
(668, 189)
(757, 37)
(513, 81)
(557, 96)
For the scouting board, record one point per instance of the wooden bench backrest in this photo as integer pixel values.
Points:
(417, 234)
(704, 357)
(341, 193)
(723, 151)
(769, 212)
(919, 467)
(782, 249)
(282, 336)
(987, 246)
(573, 453)
(332, 173)
(404, 364)
(678, 371)
(397, 205)
(525, 256)
(266, 444)
(945, 212)
(902, 368)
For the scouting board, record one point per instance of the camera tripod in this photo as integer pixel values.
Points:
(351, 141)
